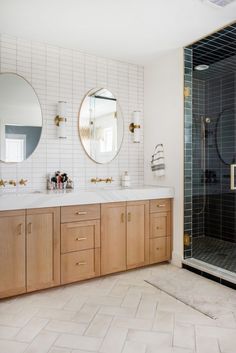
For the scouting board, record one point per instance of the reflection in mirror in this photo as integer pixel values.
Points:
(101, 125)
(20, 118)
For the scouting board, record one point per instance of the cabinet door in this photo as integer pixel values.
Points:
(113, 237)
(12, 253)
(160, 249)
(137, 233)
(43, 248)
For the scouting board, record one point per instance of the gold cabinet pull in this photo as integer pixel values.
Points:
(122, 217)
(20, 229)
(80, 263)
(161, 205)
(79, 239)
(129, 216)
(81, 213)
(29, 228)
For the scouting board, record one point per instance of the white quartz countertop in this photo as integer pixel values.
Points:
(16, 201)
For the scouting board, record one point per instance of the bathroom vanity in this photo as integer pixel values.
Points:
(51, 239)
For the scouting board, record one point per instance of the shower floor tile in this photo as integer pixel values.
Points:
(216, 252)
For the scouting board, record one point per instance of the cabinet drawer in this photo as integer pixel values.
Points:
(79, 213)
(160, 224)
(159, 205)
(80, 236)
(159, 249)
(79, 265)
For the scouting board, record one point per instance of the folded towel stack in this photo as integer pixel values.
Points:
(158, 161)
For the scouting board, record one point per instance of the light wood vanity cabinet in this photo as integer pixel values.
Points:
(42, 248)
(137, 234)
(124, 236)
(80, 243)
(46, 247)
(12, 253)
(160, 230)
(29, 250)
(113, 237)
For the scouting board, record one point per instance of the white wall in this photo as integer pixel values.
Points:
(164, 123)
(64, 74)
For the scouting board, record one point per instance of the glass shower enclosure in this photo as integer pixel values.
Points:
(210, 150)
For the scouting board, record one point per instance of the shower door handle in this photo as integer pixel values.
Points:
(232, 177)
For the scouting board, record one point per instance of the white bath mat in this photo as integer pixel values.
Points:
(206, 296)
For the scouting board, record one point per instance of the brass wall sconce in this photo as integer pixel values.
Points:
(61, 120)
(135, 126)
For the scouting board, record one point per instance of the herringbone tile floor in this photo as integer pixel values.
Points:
(115, 314)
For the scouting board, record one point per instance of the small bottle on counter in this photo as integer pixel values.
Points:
(125, 181)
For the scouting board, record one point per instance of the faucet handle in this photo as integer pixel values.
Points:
(12, 182)
(23, 182)
(3, 182)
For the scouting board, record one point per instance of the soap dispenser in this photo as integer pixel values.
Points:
(125, 182)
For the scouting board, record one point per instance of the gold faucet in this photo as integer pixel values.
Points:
(99, 180)
(23, 182)
(12, 182)
(3, 182)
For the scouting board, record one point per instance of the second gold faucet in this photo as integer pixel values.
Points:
(99, 180)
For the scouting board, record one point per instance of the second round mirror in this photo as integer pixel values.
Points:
(101, 125)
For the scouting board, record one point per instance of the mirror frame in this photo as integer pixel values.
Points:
(16, 74)
(123, 124)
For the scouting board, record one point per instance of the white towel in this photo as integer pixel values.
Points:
(158, 161)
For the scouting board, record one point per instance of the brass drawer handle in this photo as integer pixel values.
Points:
(30, 228)
(122, 217)
(81, 213)
(20, 229)
(161, 205)
(79, 239)
(81, 263)
(129, 217)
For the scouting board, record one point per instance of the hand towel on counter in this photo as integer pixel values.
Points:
(158, 161)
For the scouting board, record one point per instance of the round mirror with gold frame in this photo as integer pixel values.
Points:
(101, 126)
(20, 118)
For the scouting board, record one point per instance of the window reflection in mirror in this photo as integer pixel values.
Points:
(20, 118)
(101, 125)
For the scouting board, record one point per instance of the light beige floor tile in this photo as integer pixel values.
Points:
(120, 290)
(18, 320)
(99, 326)
(86, 314)
(60, 350)
(132, 299)
(147, 307)
(164, 321)
(117, 311)
(162, 349)
(31, 330)
(12, 347)
(134, 347)
(66, 327)
(75, 303)
(8, 332)
(184, 336)
(57, 314)
(206, 345)
(114, 340)
(42, 343)
(147, 337)
(79, 342)
(133, 323)
(104, 300)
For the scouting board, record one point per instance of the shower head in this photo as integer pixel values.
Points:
(208, 120)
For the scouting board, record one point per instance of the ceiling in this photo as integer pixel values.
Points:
(136, 31)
